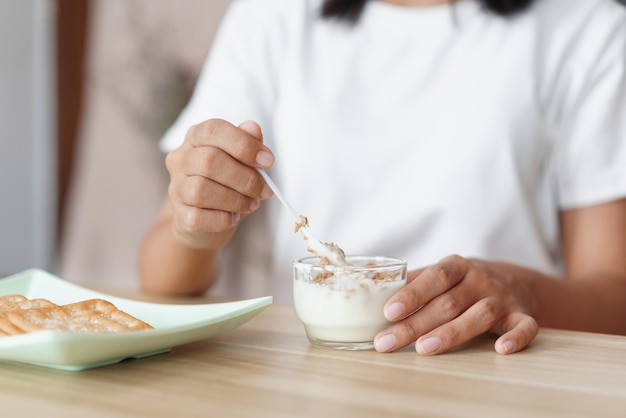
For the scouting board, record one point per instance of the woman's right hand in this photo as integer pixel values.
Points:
(214, 181)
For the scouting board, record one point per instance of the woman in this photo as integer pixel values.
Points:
(482, 141)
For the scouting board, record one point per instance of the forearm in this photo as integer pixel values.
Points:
(593, 297)
(167, 266)
(596, 304)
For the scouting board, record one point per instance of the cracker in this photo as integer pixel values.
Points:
(10, 302)
(95, 315)
(17, 302)
(19, 315)
(11, 299)
(105, 315)
(6, 327)
(28, 320)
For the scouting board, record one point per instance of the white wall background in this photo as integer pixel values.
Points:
(27, 135)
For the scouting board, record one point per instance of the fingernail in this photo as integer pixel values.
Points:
(235, 216)
(254, 203)
(385, 343)
(264, 159)
(507, 346)
(266, 193)
(429, 345)
(394, 311)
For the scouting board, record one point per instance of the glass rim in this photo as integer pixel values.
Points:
(382, 262)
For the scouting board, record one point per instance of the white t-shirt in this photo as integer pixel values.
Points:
(419, 132)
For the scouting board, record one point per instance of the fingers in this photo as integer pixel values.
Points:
(520, 330)
(242, 143)
(252, 128)
(214, 181)
(432, 281)
(476, 320)
(215, 165)
(200, 192)
(452, 302)
(444, 309)
(215, 169)
(412, 275)
(198, 227)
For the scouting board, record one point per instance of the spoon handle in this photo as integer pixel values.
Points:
(279, 195)
(296, 217)
(330, 252)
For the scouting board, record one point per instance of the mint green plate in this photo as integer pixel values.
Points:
(174, 325)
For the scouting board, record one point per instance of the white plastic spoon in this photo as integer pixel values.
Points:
(325, 251)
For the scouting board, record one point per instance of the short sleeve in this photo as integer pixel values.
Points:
(591, 145)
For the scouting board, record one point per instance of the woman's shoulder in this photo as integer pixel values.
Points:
(581, 28)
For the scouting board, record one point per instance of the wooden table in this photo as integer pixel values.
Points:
(267, 368)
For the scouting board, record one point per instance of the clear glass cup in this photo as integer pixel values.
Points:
(341, 307)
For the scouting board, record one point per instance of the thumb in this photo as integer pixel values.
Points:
(252, 128)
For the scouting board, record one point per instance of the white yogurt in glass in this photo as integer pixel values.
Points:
(342, 306)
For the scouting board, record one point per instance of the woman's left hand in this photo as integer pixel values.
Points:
(455, 300)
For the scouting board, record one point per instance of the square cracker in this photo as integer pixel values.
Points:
(94, 315)
(17, 302)
(7, 327)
